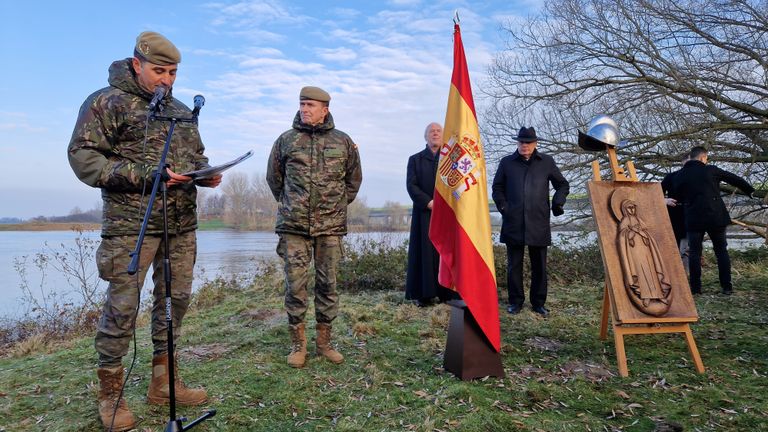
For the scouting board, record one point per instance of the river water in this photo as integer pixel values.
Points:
(220, 253)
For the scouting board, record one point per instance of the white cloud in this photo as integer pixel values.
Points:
(386, 63)
(254, 13)
(388, 79)
(345, 13)
(340, 54)
(405, 2)
(20, 122)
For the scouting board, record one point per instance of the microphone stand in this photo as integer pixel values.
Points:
(159, 180)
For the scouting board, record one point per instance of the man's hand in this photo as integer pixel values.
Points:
(210, 182)
(671, 202)
(557, 210)
(429, 204)
(176, 179)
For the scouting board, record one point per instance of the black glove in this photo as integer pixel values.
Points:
(557, 210)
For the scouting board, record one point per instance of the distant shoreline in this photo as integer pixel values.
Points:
(202, 226)
(50, 226)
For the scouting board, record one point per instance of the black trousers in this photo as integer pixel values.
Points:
(538, 257)
(720, 246)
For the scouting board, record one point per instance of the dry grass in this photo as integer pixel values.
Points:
(32, 345)
(407, 313)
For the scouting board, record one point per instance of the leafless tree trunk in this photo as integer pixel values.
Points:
(264, 204)
(238, 196)
(358, 211)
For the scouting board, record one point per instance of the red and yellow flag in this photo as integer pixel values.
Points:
(460, 227)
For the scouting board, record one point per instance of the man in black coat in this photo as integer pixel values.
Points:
(423, 261)
(698, 185)
(676, 213)
(521, 194)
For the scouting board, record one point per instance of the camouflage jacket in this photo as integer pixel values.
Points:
(107, 151)
(314, 174)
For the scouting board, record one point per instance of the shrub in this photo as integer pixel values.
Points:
(373, 265)
(564, 265)
(50, 313)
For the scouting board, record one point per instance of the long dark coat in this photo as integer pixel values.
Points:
(676, 213)
(521, 194)
(698, 185)
(423, 260)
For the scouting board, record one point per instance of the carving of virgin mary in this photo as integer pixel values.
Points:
(644, 277)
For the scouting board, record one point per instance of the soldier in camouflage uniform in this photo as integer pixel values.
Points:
(115, 148)
(314, 173)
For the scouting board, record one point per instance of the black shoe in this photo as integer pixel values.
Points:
(514, 309)
(541, 310)
(420, 303)
(696, 291)
(728, 291)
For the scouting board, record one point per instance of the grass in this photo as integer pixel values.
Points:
(559, 375)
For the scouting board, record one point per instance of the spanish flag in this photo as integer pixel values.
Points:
(460, 227)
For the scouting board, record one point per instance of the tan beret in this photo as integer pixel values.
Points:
(156, 49)
(314, 93)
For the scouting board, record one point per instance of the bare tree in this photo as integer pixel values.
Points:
(396, 216)
(358, 212)
(203, 212)
(672, 73)
(210, 204)
(215, 205)
(238, 195)
(264, 204)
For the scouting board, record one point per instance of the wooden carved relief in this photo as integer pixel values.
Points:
(646, 282)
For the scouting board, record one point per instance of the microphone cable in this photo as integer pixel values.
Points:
(136, 280)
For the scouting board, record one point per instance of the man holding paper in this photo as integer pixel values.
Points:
(116, 148)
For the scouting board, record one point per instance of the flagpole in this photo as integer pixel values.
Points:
(460, 229)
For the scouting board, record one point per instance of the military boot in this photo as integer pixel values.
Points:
(324, 347)
(298, 356)
(159, 389)
(111, 381)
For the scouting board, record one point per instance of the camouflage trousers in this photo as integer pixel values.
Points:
(118, 317)
(297, 253)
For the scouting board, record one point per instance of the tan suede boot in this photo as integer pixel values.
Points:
(158, 393)
(111, 381)
(324, 347)
(298, 356)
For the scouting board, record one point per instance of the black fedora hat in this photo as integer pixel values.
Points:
(527, 135)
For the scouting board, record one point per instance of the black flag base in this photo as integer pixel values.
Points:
(468, 354)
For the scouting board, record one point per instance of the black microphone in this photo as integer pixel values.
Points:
(160, 92)
(199, 102)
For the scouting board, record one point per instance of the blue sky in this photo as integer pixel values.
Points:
(387, 65)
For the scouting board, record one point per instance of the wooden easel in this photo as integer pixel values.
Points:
(640, 325)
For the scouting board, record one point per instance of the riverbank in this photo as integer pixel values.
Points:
(50, 226)
(209, 225)
(559, 376)
(734, 231)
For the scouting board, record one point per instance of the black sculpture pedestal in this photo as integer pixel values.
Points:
(468, 354)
